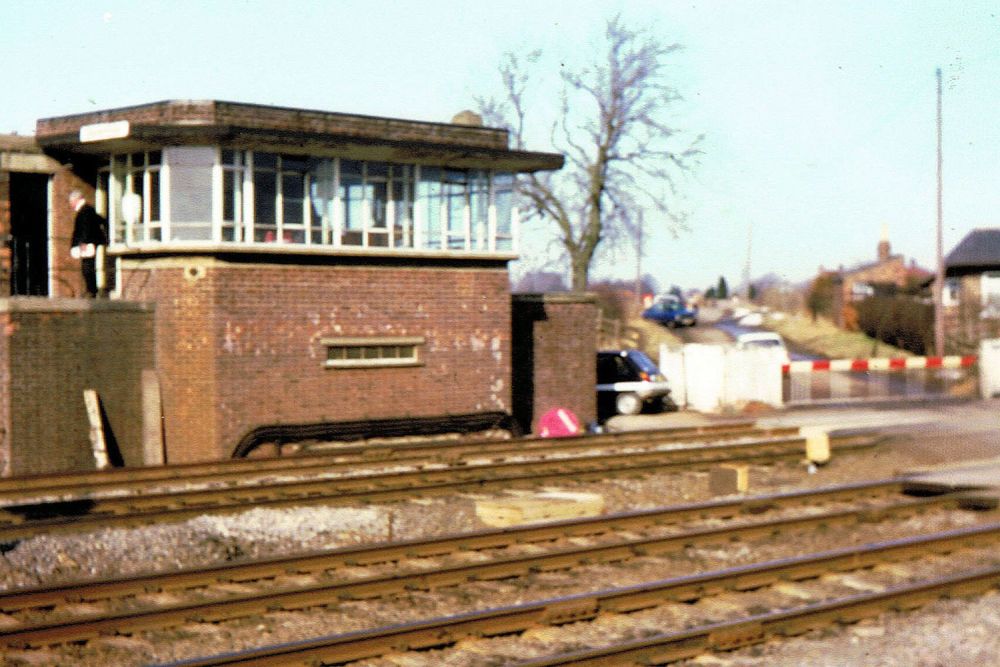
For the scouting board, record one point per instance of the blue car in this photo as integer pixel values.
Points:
(671, 313)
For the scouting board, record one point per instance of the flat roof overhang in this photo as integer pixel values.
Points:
(280, 130)
(283, 253)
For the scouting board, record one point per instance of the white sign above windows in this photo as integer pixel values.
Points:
(119, 129)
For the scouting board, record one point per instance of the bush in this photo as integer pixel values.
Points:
(900, 321)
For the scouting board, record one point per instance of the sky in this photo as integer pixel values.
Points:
(819, 117)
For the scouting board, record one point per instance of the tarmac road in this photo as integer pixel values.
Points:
(936, 431)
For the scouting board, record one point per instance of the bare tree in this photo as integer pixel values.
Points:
(618, 146)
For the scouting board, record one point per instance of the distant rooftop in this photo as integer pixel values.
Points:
(980, 249)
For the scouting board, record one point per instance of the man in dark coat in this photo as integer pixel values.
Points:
(90, 234)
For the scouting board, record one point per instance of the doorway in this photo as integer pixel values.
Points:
(29, 242)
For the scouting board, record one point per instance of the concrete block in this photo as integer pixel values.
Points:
(817, 443)
(727, 479)
(551, 506)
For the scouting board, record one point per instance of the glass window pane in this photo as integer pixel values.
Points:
(154, 196)
(294, 163)
(479, 205)
(456, 192)
(429, 198)
(264, 194)
(352, 197)
(402, 198)
(190, 187)
(321, 196)
(265, 160)
(503, 193)
(377, 170)
(379, 204)
(293, 200)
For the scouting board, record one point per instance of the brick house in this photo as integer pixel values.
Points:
(303, 266)
(887, 272)
(971, 295)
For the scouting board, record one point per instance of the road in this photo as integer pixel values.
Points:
(933, 432)
(715, 328)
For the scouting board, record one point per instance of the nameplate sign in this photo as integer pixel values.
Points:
(101, 131)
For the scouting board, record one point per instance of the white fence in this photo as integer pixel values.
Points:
(989, 368)
(710, 377)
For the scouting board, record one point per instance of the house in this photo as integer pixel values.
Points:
(889, 273)
(268, 267)
(971, 293)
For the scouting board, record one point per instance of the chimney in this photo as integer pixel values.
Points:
(883, 245)
(467, 117)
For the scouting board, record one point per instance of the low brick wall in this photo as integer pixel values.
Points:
(50, 351)
(240, 343)
(554, 346)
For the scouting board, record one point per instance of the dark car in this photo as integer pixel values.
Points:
(671, 313)
(628, 381)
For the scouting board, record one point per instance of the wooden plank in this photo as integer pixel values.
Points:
(97, 441)
(152, 420)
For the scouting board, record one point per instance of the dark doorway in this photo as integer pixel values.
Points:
(29, 243)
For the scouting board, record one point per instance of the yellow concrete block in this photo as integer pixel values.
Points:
(817, 443)
(552, 506)
(726, 479)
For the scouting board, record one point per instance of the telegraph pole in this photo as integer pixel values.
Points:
(638, 260)
(939, 279)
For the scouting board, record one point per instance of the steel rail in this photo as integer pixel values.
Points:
(728, 635)
(26, 520)
(386, 552)
(242, 606)
(439, 632)
(433, 450)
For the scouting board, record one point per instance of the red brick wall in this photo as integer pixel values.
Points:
(239, 344)
(50, 351)
(554, 356)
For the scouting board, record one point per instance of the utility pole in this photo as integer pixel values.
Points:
(746, 267)
(638, 259)
(939, 279)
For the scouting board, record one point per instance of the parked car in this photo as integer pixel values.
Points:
(671, 313)
(627, 382)
(763, 340)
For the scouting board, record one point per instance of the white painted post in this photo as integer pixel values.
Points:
(97, 442)
(671, 363)
(706, 385)
(989, 368)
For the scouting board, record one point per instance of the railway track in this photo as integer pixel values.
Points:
(550, 547)
(73, 485)
(975, 545)
(139, 509)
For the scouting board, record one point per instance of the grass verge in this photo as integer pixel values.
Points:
(823, 338)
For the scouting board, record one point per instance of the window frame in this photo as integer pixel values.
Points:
(453, 212)
(380, 343)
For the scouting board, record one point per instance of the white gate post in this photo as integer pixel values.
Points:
(989, 367)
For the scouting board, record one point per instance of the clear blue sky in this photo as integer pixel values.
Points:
(819, 116)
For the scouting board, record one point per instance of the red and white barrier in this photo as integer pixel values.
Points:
(879, 364)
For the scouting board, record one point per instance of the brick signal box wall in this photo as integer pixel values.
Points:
(239, 343)
(50, 351)
(554, 356)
